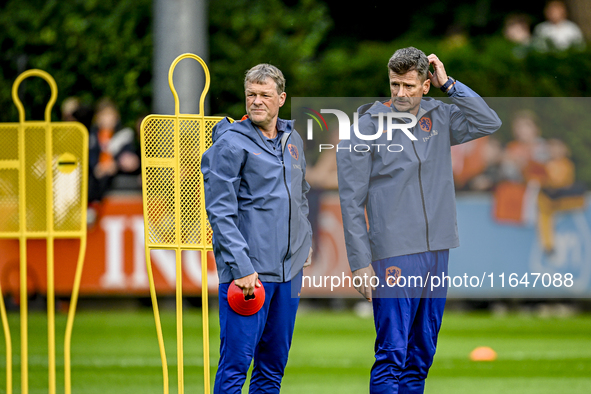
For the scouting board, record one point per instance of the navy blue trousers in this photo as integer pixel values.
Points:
(264, 336)
(407, 318)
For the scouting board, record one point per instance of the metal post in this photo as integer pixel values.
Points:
(180, 26)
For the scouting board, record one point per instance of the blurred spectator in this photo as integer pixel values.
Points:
(524, 156)
(75, 111)
(538, 180)
(560, 170)
(476, 164)
(518, 30)
(112, 151)
(521, 171)
(69, 106)
(84, 114)
(492, 154)
(557, 32)
(559, 191)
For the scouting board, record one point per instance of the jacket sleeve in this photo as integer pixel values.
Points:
(354, 171)
(221, 165)
(470, 116)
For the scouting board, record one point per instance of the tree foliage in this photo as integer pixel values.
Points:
(245, 33)
(93, 48)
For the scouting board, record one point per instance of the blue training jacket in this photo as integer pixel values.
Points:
(256, 202)
(406, 186)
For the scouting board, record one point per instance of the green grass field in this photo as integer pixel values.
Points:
(117, 352)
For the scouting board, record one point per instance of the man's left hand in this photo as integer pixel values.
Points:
(438, 77)
(365, 274)
(309, 259)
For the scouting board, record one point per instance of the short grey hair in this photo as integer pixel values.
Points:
(409, 59)
(260, 73)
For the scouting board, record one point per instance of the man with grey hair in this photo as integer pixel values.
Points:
(408, 195)
(255, 196)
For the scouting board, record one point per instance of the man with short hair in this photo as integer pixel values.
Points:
(557, 32)
(408, 195)
(255, 195)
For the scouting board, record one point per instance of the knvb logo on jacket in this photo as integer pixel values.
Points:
(425, 124)
(385, 125)
(293, 151)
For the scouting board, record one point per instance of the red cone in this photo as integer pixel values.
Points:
(249, 305)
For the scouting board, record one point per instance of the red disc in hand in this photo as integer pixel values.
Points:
(248, 305)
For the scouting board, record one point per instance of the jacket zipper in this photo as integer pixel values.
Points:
(422, 196)
(289, 201)
(289, 217)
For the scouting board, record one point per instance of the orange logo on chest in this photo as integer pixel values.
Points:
(425, 124)
(293, 151)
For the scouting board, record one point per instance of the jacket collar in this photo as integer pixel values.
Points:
(248, 129)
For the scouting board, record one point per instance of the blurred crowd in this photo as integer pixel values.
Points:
(114, 153)
(557, 32)
(532, 178)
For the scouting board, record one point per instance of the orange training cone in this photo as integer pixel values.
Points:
(483, 353)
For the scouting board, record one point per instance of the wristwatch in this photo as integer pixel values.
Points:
(446, 86)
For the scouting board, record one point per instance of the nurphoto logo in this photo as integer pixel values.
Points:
(345, 128)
